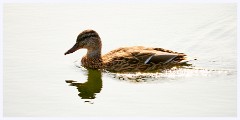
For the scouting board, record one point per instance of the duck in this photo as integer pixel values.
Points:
(124, 59)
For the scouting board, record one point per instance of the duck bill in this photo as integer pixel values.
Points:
(73, 49)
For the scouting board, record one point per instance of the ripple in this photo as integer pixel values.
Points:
(172, 74)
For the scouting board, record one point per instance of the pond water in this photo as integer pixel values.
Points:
(38, 80)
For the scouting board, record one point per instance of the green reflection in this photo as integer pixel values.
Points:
(93, 85)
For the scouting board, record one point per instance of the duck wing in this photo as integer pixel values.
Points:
(137, 59)
(164, 56)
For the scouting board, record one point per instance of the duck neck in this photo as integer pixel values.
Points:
(93, 59)
(94, 54)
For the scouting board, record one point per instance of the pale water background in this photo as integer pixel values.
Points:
(35, 69)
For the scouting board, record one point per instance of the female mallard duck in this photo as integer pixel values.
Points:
(125, 59)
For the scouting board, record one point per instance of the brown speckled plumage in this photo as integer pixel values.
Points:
(126, 59)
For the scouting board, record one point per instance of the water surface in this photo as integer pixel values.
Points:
(35, 69)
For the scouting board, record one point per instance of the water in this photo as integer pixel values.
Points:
(35, 71)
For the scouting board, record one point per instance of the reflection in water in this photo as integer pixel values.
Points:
(89, 89)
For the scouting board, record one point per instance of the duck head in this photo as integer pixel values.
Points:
(88, 39)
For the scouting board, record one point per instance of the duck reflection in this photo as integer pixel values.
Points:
(89, 89)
